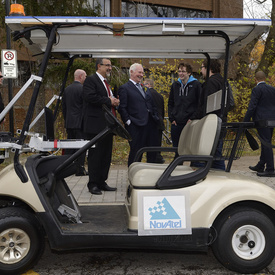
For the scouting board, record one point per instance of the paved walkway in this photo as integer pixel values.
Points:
(118, 178)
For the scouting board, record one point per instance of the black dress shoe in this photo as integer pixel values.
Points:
(94, 190)
(106, 187)
(266, 174)
(256, 168)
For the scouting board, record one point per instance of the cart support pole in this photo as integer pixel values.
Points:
(206, 79)
(17, 166)
(225, 74)
(227, 44)
(10, 90)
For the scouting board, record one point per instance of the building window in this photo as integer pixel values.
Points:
(134, 9)
(152, 11)
(105, 6)
(128, 9)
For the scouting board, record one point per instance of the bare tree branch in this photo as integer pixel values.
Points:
(268, 57)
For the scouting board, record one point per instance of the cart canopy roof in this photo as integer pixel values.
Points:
(138, 37)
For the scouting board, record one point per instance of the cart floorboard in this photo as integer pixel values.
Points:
(101, 219)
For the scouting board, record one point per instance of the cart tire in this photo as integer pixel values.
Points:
(245, 240)
(21, 240)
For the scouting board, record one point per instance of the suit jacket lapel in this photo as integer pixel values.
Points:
(101, 84)
(135, 88)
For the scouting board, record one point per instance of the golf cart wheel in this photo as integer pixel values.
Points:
(21, 243)
(245, 241)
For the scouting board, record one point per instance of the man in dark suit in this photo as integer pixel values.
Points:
(96, 92)
(159, 103)
(72, 106)
(262, 107)
(138, 113)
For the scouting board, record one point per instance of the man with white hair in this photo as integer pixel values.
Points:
(138, 112)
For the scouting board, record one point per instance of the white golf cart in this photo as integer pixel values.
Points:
(171, 207)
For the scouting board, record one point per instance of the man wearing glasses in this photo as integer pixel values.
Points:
(96, 92)
(212, 85)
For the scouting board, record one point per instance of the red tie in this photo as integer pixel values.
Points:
(109, 93)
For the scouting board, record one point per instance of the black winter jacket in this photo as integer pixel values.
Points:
(214, 84)
(184, 102)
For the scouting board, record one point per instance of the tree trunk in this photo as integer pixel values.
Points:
(243, 59)
(268, 57)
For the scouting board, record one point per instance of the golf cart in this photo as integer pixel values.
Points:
(168, 207)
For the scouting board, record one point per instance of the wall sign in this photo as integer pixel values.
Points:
(9, 63)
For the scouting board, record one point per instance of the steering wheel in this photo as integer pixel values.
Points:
(115, 124)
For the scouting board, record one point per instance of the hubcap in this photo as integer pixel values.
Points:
(14, 245)
(248, 242)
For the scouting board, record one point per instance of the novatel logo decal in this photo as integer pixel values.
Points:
(167, 214)
(163, 216)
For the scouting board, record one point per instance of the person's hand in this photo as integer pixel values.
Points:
(114, 101)
(174, 123)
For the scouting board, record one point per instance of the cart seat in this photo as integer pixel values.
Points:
(148, 176)
(198, 142)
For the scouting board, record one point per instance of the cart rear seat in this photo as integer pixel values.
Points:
(198, 142)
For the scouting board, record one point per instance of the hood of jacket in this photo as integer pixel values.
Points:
(191, 78)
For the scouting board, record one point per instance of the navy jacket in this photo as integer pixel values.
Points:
(262, 103)
(133, 106)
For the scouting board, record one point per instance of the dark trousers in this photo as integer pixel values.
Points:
(219, 164)
(266, 157)
(75, 134)
(159, 158)
(152, 139)
(216, 164)
(99, 160)
(175, 135)
(142, 136)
